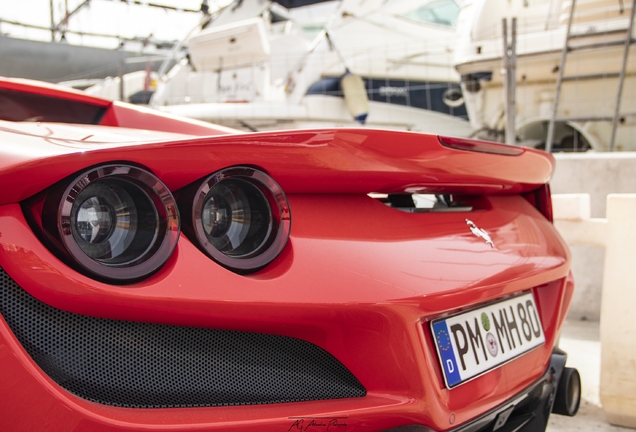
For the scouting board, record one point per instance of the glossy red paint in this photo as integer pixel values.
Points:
(51, 90)
(136, 117)
(343, 161)
(480, 146)
(357, 278)
(117, 114)
(390, 288)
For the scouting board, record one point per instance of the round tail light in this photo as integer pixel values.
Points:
(117, 222)
(240, 217)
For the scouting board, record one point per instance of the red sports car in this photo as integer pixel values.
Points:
(158, 273)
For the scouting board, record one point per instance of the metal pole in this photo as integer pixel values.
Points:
(52, 21)
(63, 24)
(121, 81)
(557, 95)
(512, 86)
(510, 80)
(504, 57)
(621, 79)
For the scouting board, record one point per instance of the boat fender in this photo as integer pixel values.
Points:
(355, 95)
(453, 98)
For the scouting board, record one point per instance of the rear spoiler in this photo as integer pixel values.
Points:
(334, 161)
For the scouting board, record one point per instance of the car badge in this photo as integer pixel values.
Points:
(481, 233)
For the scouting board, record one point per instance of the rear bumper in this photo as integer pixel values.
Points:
(27, 389)
(527, 411)
(365, 292)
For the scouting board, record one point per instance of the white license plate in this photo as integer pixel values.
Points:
(474, 342)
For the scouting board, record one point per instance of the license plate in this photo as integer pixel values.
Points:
(474, 342)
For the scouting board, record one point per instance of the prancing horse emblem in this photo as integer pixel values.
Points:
(480, 232)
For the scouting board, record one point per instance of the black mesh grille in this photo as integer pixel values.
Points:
(142, 365)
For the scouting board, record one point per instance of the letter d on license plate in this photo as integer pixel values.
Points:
(473, 342)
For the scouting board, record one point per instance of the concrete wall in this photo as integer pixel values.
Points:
(616, 233)
(597, 174)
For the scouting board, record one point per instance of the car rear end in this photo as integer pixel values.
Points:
(421, 286)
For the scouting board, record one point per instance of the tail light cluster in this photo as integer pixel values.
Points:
(119, 223)
(238, 216)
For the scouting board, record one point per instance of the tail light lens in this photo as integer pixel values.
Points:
(118, 223)
(239, 216)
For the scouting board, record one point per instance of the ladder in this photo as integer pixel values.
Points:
(567, 48)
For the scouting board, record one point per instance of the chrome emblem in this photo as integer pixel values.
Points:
(479, 232)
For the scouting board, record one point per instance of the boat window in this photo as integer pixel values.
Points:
(276, 18)
(443, 12)
(313, 30)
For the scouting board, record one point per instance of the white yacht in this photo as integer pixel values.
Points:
(590, 76)
(263, 66)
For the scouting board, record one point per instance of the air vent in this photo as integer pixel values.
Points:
(422, 203)
(140, 365)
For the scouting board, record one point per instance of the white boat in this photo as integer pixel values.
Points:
(591, 73)
(261, 66)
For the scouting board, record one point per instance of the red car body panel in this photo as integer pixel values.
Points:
(357, 278)
(338, 161)
(116, 113)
